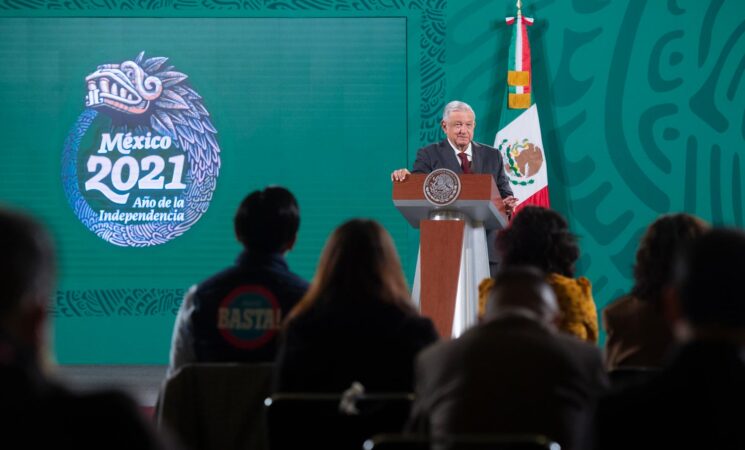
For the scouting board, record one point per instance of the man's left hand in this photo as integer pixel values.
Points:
(509, 204)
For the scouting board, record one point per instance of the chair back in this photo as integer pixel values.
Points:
(217, 406)
(627, 376)
(309, 420)
(460, 442)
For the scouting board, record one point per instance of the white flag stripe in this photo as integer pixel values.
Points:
(518, 44)
(525, 129)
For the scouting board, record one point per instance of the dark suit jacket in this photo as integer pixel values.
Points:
(695, 402)
(509, 375)
(485, 159)
(637, 334)
(38, 413)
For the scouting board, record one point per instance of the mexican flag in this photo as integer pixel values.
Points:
(519, 138)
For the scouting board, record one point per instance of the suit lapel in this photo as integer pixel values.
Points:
(477, 157)
(447, 156)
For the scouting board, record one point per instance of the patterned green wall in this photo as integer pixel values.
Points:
(117, 305)
(641, 105)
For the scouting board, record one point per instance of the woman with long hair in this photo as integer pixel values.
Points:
(356, 322)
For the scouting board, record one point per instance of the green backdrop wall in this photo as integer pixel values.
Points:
(640, 102)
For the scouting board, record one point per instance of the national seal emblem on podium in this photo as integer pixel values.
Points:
(442, 187)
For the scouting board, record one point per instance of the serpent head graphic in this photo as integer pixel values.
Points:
(160, 96)
(124, 87)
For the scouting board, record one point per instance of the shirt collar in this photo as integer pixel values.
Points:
(468, 152)
(249, 258)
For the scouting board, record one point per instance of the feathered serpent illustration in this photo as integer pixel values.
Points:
(142, 95)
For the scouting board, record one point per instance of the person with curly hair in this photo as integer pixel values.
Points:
(637, 333)
(540, 237)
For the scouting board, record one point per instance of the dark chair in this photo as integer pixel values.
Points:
(315, 421)
(460, 442)
(217, 406)
(627, 376)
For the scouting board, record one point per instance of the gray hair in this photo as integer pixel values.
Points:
(457, 105)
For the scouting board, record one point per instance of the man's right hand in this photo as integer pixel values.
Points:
(400, 174)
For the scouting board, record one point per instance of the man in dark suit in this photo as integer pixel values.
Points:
(36, 412)
(696, 400)
(459, 153)
(514, 373)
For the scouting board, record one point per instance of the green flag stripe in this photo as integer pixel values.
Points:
(513, 43)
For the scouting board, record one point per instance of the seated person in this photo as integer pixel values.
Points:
(513, 373)
(695, 400)
(235, 315)
(540, 237)
(35, 411)
(356, 323)
(637, 334)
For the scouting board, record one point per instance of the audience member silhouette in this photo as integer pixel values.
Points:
(356, 323)
(637, 334)
(36, 412)
(236, 315)
(540, 237)
(696, 400)
(514, 373)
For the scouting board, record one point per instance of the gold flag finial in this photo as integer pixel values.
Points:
(519, 6)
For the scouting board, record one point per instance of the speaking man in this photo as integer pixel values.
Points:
(459, 153)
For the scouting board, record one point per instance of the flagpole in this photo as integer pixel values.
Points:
(519, 8)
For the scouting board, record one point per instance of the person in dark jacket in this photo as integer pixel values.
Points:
(356, 323)
(695, 401)
(514, 373)
(461, 154)
(35, 410)
(235, 315)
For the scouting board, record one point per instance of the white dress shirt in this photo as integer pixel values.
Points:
(468, 151)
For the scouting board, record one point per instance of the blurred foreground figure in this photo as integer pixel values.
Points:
(697, 399)
(34, 411)
(638, 335)
(514, 373)
(357, 321)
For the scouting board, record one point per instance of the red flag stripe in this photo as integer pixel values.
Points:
(540, 198)
(525, 48)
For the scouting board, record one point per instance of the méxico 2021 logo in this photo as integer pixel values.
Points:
(141, 162)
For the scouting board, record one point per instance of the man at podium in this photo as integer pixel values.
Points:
(459, 153)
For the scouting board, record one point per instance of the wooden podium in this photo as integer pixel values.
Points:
(453, 257)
